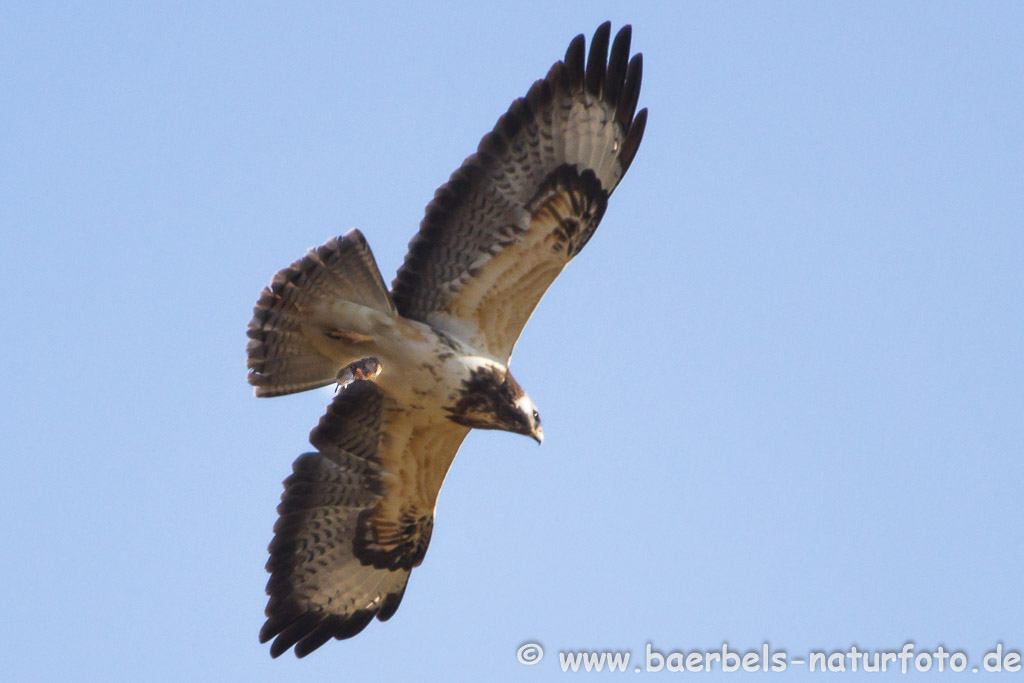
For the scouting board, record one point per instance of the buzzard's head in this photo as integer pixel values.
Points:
(492, 399)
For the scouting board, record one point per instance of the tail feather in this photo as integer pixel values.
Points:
(283, 352)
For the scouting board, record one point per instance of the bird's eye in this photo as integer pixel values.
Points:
(536, 417)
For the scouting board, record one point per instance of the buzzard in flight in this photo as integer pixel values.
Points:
(421, 365)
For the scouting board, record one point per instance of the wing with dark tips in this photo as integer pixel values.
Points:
(509, 220)
(355, 518)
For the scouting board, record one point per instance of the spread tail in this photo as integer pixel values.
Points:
(293, 315)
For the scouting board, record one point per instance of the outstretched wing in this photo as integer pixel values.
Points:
(355, 518)
(516, 212)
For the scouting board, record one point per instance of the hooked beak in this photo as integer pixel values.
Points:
(538, 435)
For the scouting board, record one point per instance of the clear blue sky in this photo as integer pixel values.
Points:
(782, 387)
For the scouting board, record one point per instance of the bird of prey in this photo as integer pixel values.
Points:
(421, 365)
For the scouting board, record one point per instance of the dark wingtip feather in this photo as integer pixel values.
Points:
(294, 632)
(617, 61)
(318, 636)
(310, 630)
(597, 61)
(280, 612)
(390, 604)
(632, 141)
(630, 91)
(574, 62)
(354, 624)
